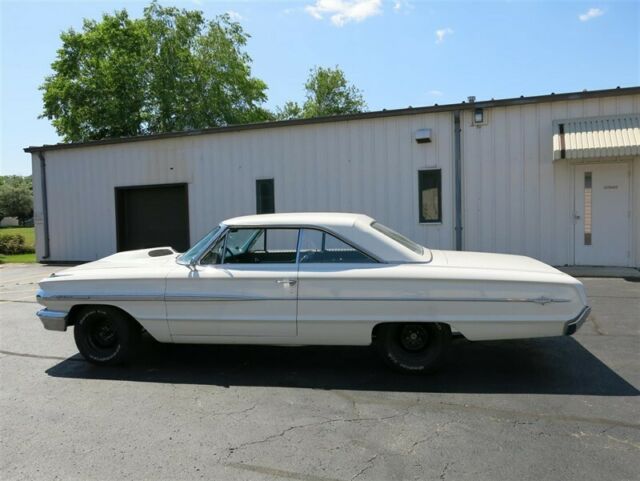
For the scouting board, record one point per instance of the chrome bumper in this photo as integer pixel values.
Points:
(53, 320)
(574, 324)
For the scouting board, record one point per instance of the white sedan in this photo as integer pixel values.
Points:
(309, 278)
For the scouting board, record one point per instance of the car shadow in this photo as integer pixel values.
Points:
(537, 366)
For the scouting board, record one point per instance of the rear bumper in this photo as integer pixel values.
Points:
(53, 320)
(574, 324)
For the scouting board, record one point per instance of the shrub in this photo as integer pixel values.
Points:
(13, 244)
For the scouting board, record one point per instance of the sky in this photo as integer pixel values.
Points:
(400, 53)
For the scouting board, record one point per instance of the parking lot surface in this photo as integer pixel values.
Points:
(558, 408)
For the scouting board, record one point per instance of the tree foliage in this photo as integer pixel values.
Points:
(328, 92)
(169, 70)
(16, 197)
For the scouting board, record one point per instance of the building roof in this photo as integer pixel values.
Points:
(597, 137)
(522, 100)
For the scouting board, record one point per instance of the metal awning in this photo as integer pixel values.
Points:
(597, 137)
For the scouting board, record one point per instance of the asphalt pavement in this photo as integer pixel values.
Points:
(560, 408)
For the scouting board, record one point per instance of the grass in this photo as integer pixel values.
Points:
(29, 239)
(18, 259)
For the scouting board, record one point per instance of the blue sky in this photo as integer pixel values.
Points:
(399, 52)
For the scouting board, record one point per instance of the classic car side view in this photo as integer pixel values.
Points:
(309, 279)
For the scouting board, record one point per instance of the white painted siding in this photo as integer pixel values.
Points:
(516, 199)
(368, 166)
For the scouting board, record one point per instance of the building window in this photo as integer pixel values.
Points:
(587, 208)
(265, 202)
(430, 195)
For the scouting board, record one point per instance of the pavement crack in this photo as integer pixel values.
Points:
(38, 356)
(284, 432)
(596, 326)
(368, 465)
(443, 474)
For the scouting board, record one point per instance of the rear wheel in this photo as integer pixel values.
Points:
(413, 347)
(105, 335)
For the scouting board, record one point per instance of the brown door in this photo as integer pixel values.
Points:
(152, 216)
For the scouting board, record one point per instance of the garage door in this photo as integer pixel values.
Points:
(153, 216)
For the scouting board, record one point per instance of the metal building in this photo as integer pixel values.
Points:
(555, 177)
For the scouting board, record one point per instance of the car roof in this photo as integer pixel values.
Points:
(320, 219)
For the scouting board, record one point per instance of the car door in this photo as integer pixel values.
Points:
(244, 286)
(338, 290)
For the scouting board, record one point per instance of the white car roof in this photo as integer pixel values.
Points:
(320, 219)
(355, 228)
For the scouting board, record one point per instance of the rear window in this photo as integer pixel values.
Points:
(399, 238)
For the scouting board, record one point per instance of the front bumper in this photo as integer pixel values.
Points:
(53, 320)
(574, 324)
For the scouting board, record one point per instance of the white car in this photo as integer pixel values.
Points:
(309, 279)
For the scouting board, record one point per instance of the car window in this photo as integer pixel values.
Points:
(257, 246)
(321, 247)
(214, 255)
(399, 238)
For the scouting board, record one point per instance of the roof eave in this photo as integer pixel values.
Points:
(344, 118)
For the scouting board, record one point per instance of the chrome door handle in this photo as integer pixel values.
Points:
(290, 282)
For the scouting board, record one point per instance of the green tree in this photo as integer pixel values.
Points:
(169, 70)
(16, 197)
(328, 92)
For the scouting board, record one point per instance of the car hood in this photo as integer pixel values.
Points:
(490, 261)
(138, 259)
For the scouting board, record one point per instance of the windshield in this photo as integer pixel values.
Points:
(195, 251)
(399, 238)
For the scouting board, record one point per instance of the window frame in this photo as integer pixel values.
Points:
(226, 228)
(373, 260)
(421, 219)
(259, 228)
(270, 180)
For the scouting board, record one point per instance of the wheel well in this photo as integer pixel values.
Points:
(75, 310)
(376, 329)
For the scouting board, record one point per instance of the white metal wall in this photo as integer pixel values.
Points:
(515, 198)
(368, 166)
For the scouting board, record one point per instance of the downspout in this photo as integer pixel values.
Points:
(457, 167)
(45, 204)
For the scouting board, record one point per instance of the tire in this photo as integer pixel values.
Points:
(105, 336)
(413, 347)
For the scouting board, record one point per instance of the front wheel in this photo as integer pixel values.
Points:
(105, 335)
(413, 347)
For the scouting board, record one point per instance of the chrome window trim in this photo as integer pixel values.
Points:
(374, 260)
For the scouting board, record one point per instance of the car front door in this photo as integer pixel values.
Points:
(244, 286)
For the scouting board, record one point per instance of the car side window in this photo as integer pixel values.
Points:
(257, 246)
(321, 247)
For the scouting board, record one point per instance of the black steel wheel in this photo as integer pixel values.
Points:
(105, 335)
(413, 347)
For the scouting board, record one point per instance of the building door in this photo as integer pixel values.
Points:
(152, 216)
(602, 215)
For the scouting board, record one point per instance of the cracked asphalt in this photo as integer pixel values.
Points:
(561, 408)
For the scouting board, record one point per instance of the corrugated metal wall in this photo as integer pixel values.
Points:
(367, 166)
(515, 198)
